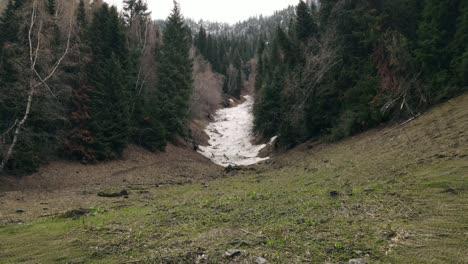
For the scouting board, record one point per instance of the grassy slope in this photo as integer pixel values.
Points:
(402, 199)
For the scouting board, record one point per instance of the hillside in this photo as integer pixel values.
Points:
(390, 195)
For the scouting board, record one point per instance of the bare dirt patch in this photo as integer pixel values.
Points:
(65, 185)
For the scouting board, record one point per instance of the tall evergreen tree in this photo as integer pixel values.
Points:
(201, 41)
(9, 73)
(81, 16)
(325, 9)
(460, 48)
(435, 33)
(135, 10)
(110, 111)
(268, 116)
(9, 26)
(108, 74)
(305, 24)
(175, 75)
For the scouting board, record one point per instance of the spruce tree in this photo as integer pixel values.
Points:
(267, 111)
(135, 10)
(9, 26)
(8, 72)
(460, 48)
(110, 111)
(175, 76)
(81, 17)
(435, 33)
(305, 24)
(325, 9)
(108, 74)
(201, 41)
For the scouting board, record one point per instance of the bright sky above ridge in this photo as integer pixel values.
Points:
(230, 11)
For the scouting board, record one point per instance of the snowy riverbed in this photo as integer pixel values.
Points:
(231, 137)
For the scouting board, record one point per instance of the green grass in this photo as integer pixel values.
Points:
(402, 198)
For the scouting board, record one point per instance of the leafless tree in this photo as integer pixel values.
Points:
(249, 87)
(35, 79)
(207, 95)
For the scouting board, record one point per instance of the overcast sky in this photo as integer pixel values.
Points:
(230, 11)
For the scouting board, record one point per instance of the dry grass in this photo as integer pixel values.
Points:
(62, 185)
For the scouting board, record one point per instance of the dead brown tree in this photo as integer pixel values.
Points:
(35, 79)
(207, 89)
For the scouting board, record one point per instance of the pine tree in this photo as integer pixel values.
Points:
(435, 32)
(175, 76)
(9, 74)
(201, 41)
(267, 111)
(403, 16)
(81, 17)
(110, 111)
(9, 26)
(290, 49)
(325, 9)
(108, 74)
(135, 10)
(305, 24)
(460, 48)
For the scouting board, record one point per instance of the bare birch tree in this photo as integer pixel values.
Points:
(35, 79)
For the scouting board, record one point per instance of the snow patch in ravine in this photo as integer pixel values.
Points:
(231, 137)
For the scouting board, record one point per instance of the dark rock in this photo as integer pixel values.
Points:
(334, 194)
(232, 253)
(113, 194)
(230, 169)
(20, 211)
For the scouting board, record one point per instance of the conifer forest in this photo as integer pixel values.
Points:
(343, 120)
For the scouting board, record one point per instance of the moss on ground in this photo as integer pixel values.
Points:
(388, 196)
